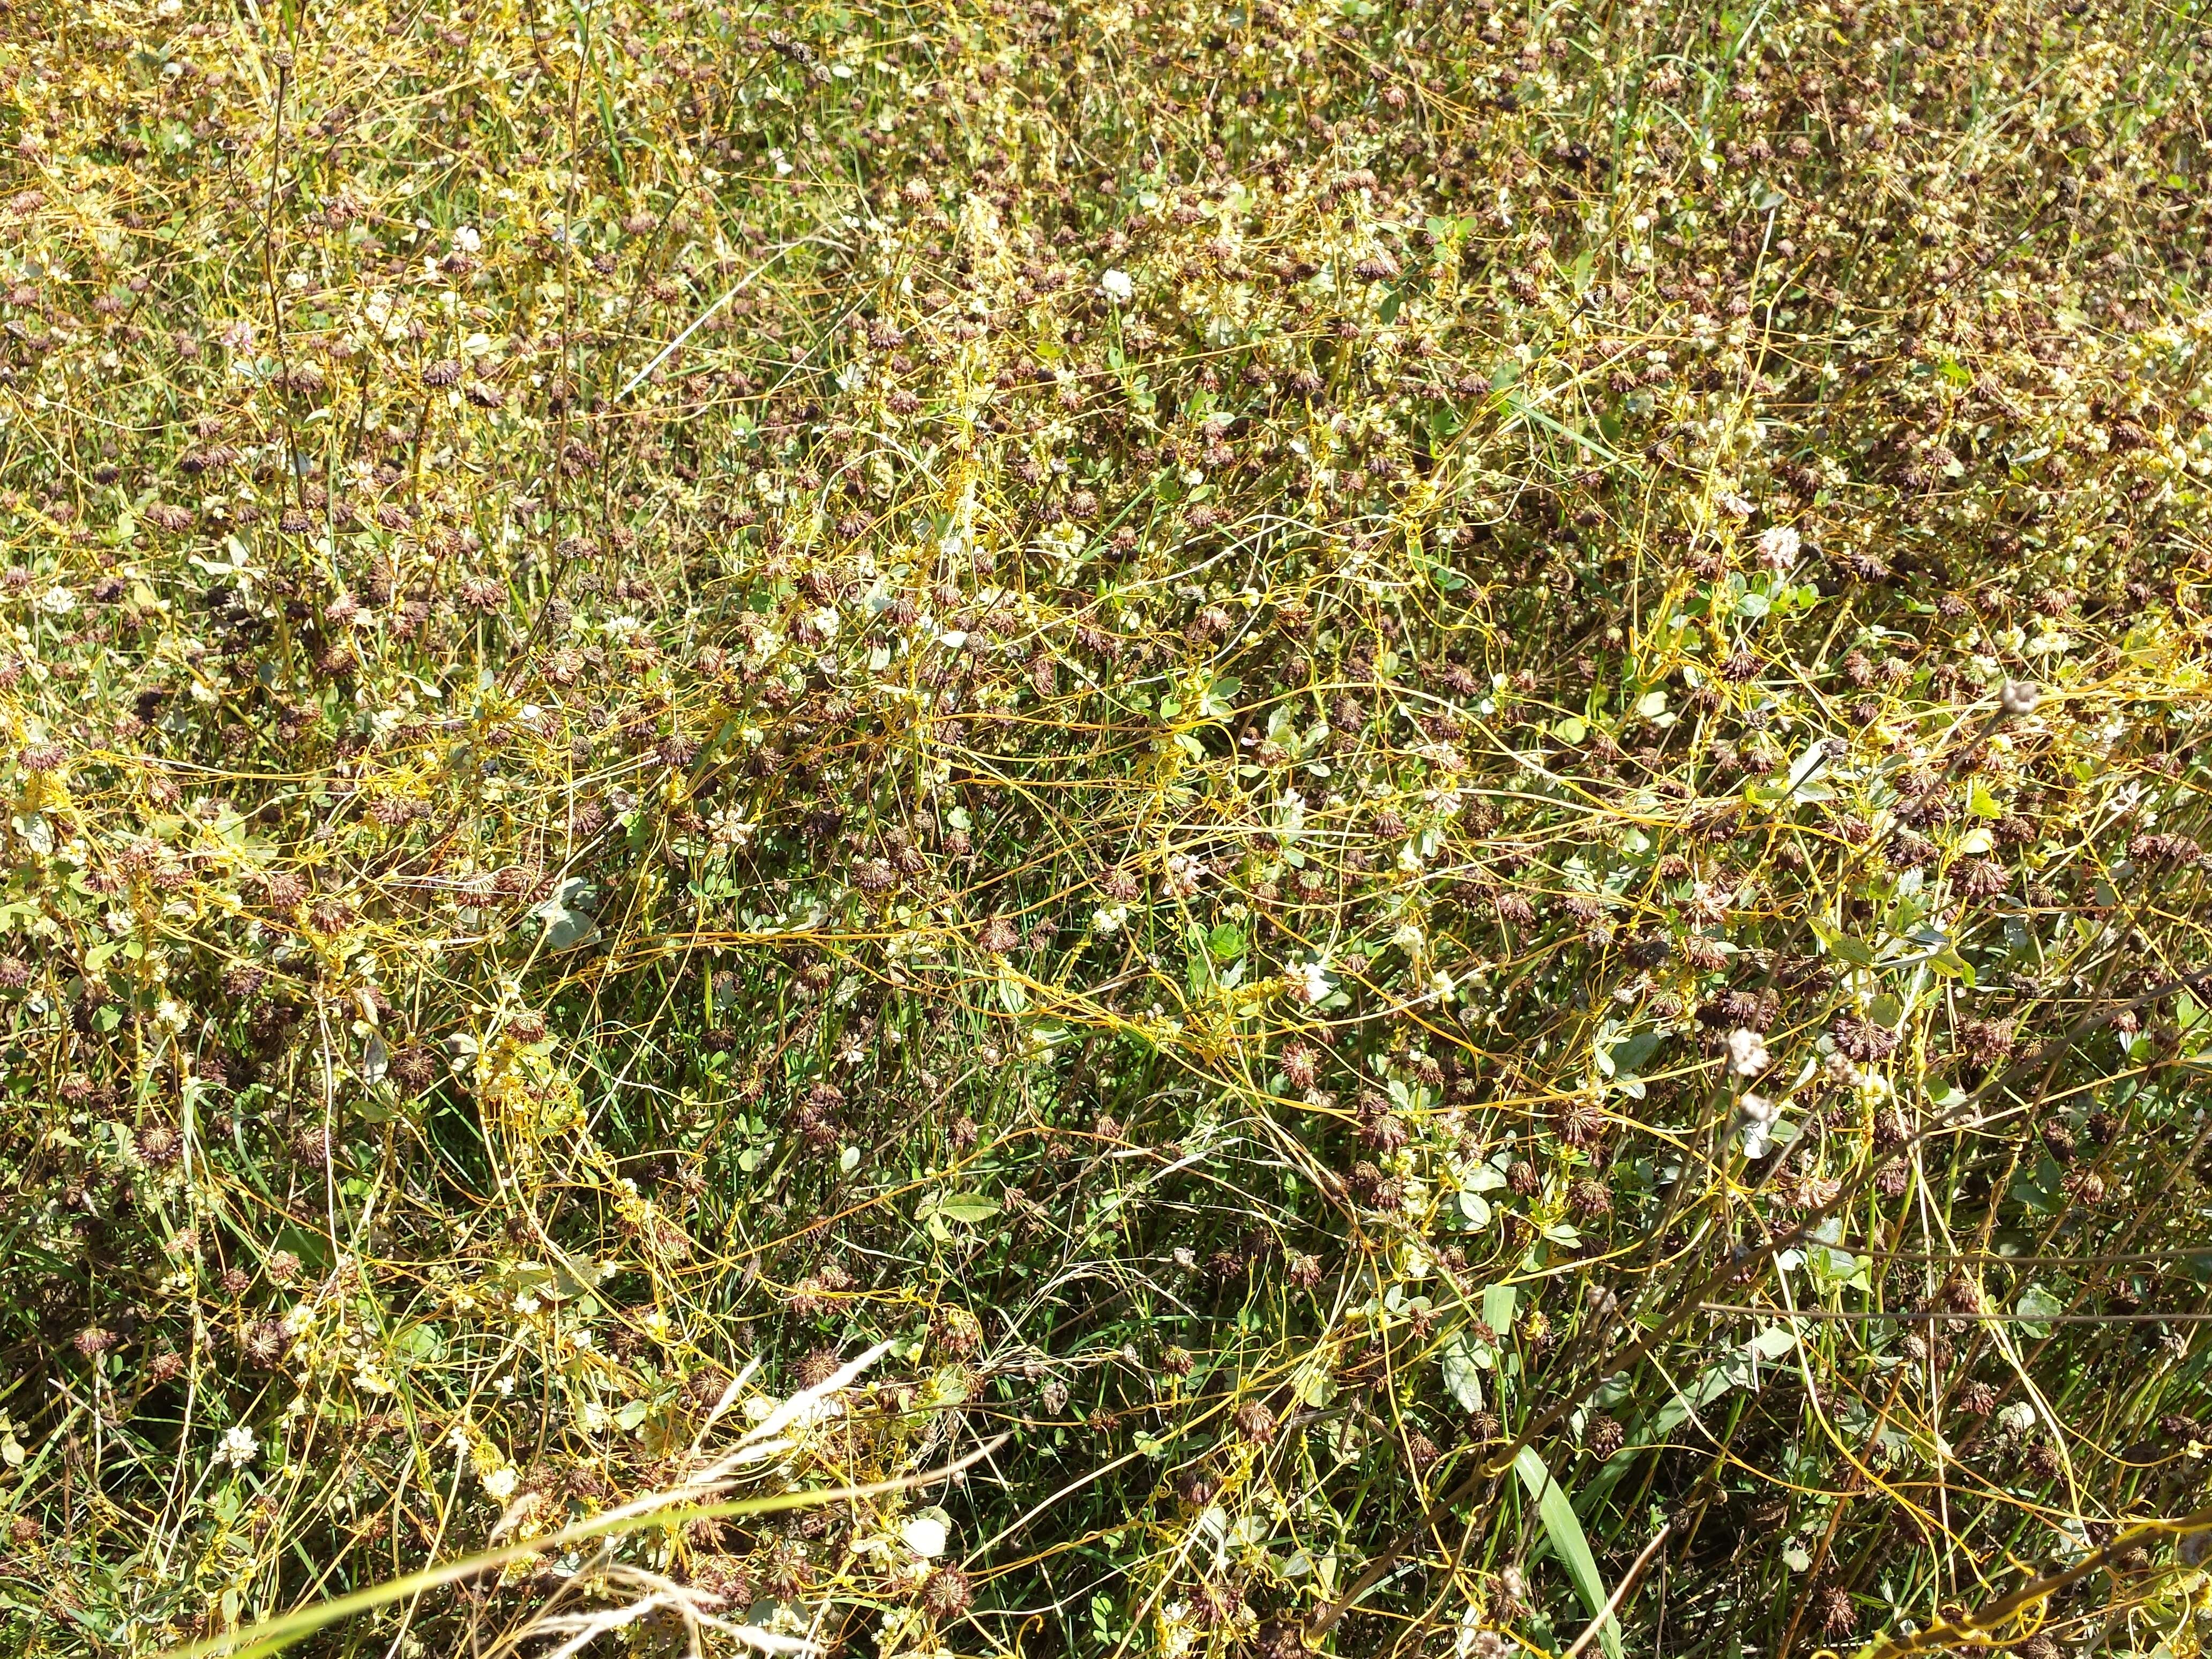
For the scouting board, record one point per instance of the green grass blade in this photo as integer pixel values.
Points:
(1557, 1511)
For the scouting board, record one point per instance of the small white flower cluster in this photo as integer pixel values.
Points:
(1756, 1116)
(1312, 985)
(1747, 1052)
(239, 1447)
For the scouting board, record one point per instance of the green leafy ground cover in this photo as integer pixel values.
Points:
(1414, 794)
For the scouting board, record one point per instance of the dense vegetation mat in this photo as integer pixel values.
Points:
(1414, 794)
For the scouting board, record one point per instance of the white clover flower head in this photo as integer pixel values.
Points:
(467, 241)
(1747, 1052)
(1184, 874)
(239, 1446)
(2019, 698)
(1117, 286)
(1314, 987)
(1756, 1116)
(1778, 547)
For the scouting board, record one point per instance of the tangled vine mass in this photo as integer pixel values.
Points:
(1166, 828)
